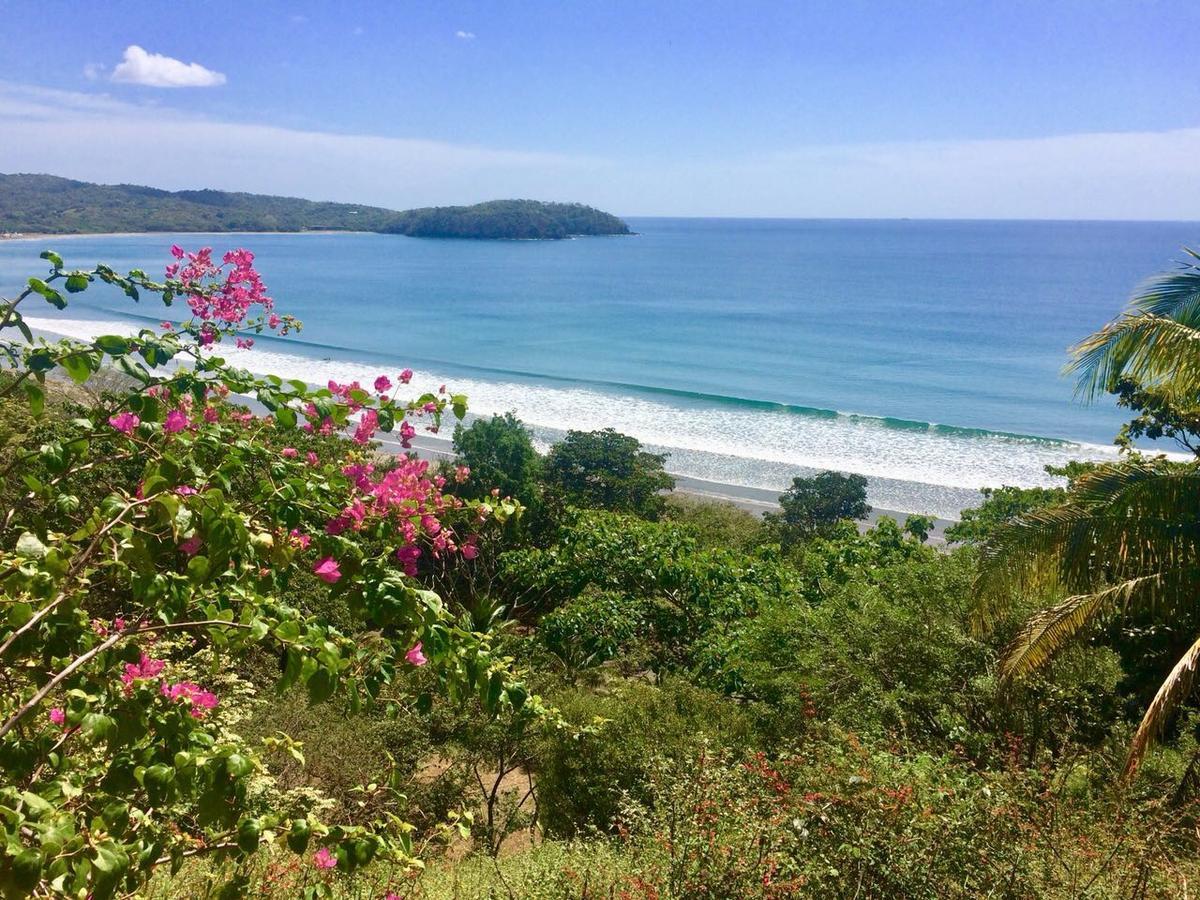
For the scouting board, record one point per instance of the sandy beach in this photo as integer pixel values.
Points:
(753, 500)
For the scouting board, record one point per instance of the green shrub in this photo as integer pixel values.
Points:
(585, 778)
(591, 629)
(716, 524)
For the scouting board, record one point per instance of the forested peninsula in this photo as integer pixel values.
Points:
(48, 204)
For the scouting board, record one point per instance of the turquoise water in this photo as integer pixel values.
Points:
(920, 353)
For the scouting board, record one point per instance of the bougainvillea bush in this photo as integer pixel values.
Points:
(152, 540)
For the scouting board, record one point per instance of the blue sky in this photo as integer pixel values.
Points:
(964, 109)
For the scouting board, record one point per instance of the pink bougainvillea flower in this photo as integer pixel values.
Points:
(383, 384)
(462, 473)
(367, 426)
(429, 407)
(414, 656)
(273, 321)
(193, 695)
(165, 325)
(177, 251)
(125, 422)
(327, 570)
(407, 432)
(301, 540)
(207, 336)
(406, 376)
(118, 624)
(143, 670)
(177, 421)
(185, 490)
(245, 343)
(323, 859)
(211, 414)
(470, 550)
(57, 716)
(407, 557)
(191, 546)
(289, 452)
(312, 458)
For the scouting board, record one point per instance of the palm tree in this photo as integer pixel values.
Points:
(1128, 536)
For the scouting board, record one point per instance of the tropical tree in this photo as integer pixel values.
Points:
(608, 470)
(815, 505)
(1126, 539)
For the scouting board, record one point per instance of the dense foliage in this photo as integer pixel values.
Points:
(814, 505)
(48, 204)
(608, 470)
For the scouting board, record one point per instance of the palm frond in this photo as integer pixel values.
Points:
(1137, 344)
(1174, 690)
(1155, 350)
(1049, 630)
(1122, 521)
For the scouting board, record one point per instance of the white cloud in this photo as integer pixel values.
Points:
(1112, 175)
(465, 35)
(156, 70)
(92, 71)
(114, 141)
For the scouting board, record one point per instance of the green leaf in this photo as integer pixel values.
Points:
(77, 367)
(110, 865)
(99, 726)
(30, 547)
(238, 766)
(51, 296)
(112, 344)
(37, 397)
(77, 282)
(321, 686)
(54, 258)
(198, 569)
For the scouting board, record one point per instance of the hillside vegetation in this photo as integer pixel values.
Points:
(47, 204)
(524, 219)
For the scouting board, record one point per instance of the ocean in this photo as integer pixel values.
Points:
(926, 355)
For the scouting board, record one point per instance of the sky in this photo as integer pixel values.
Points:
(966, 109)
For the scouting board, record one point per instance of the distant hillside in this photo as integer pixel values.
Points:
(507, 219)
(52, 205)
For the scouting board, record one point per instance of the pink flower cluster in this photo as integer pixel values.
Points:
(124, 422)
(197, 698)
(143, 670)
(176, 421)
(200, 700)
(413, 500)
(222, 294)
(104, 630)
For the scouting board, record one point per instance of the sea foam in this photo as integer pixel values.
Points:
(911, 467)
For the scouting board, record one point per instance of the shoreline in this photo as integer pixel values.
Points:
(704, 469)
(750, 499)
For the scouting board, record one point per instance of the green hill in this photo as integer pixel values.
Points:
(507, 219)
(49, 204)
